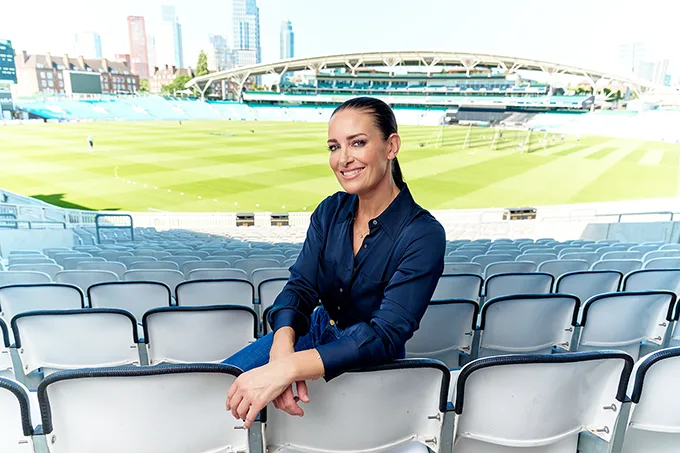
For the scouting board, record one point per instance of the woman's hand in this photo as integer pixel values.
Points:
(253, 390)
(283, 346)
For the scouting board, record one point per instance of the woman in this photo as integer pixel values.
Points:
(372, 256)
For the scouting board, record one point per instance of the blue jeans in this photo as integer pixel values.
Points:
(256, 354)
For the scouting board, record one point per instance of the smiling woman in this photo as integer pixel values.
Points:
(372, 256)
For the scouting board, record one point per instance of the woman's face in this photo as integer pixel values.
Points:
(359, 156)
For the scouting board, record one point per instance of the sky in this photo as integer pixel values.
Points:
(586, 33)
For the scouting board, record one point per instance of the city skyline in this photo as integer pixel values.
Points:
(287, 40)
(570, 36)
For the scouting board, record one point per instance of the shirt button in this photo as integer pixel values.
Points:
(375, 222)
(338, 308)
(340, 289)
(365, 246)
(331, 322)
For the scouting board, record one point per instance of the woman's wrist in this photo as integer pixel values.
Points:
(285, 335)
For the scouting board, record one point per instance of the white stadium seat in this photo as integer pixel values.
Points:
(85, 279)
(654, 424)
(207, 274)
(629, 255)
(192, 265)
(622, 321)
(262, 274)
(153, 265)
(16, 428)
(127, 260)
(55, 340)
(463, 268)
(170, 409)
(589, 257)
(170, 278)
(505, 267)
(652, 279)
(527, 324)
(23, 278)
(623, 266)
(565, 395)
(18, 299)
(111, 266)
(562, 266)
(586, 284)
(536, 258)
(249, 264)
(458, 286)
(518, 283)
(135, 297)
(446, 330)
(661, 263)
(391, 408)
(215, 292)
(661, 254)
(197, 334)
(6, 366)
(269, 290)
(49, 269)
(485, 260)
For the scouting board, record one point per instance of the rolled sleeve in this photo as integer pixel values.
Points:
(294, 305)
(405, 300)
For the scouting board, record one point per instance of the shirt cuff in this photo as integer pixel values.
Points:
(338, 356)
(288, 317)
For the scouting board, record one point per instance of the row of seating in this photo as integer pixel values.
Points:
(567, 401)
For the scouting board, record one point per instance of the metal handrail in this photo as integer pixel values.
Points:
(30, 223)
(99, 227)
(671, 215)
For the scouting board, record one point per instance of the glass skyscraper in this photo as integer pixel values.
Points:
(287, 40)
(246, 25)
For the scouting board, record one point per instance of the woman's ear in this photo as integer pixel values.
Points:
(393, 145)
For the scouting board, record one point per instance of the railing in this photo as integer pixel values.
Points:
(620, 216)
(112, 218)
(30, 224)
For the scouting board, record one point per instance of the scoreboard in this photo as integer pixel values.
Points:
(8, 70)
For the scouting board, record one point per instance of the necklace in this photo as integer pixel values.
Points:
(363, 235)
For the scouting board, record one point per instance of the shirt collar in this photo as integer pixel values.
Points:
(391, 218)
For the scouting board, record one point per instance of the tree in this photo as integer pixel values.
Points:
(176, 85)
(202, 64)
(143, 86)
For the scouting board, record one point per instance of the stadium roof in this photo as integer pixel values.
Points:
(435, 60)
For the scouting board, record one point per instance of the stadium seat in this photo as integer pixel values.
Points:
(611, 248)
(654, 424)
(463, 268)
(16, 428)
(153, 265)
(72, 263)
(192, 265)
(17, 299)
(6, 366)
(262, 274)
(207, 334)
(623, 266)
(23, 278)
(159, 255)
(622, 321)
(111, 266)
(485, 260)
(446, 330)
(567, 250)
(458, 286)
(269, 290)
(249, 265)
(206, 274)
(629, 255)
(536, 258)
(527, 324)
(586, 284)
(559, 267)
(359, 399)
(55, 340)
(60, 257)
(289, 262)
(51, 251)
(652, 279)
(456, 259)
(589, 257)
(168, 277)
(25, 261)
(127, 260)
(49, 269)
(661, 263)
(517, 283)
(170, 409)
(667, 247)
(112, 255)
(180, 260)
(643, 248)
(135, 297)
(491, 418)
(661, 254)
(505, 267)
(196, 293)
(85, 279)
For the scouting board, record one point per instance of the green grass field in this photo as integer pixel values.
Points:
(246, 166)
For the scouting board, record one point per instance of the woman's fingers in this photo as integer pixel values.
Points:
(289, 404)
(243, 409)
(234, 403)
(302, 391)
(230, 393)
(252, 415)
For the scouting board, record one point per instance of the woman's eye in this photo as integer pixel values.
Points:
(332, 147)
(359, 143)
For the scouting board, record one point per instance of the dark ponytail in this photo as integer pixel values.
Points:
(384, 119)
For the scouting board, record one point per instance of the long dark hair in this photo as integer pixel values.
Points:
(384, 119)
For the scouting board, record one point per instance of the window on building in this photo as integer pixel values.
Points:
(61, 84)
(43, 83)
(42, 75)
(50, 83)
(128, 80)
(49, 76)
(60, 76)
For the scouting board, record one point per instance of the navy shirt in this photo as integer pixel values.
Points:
(379, 297)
